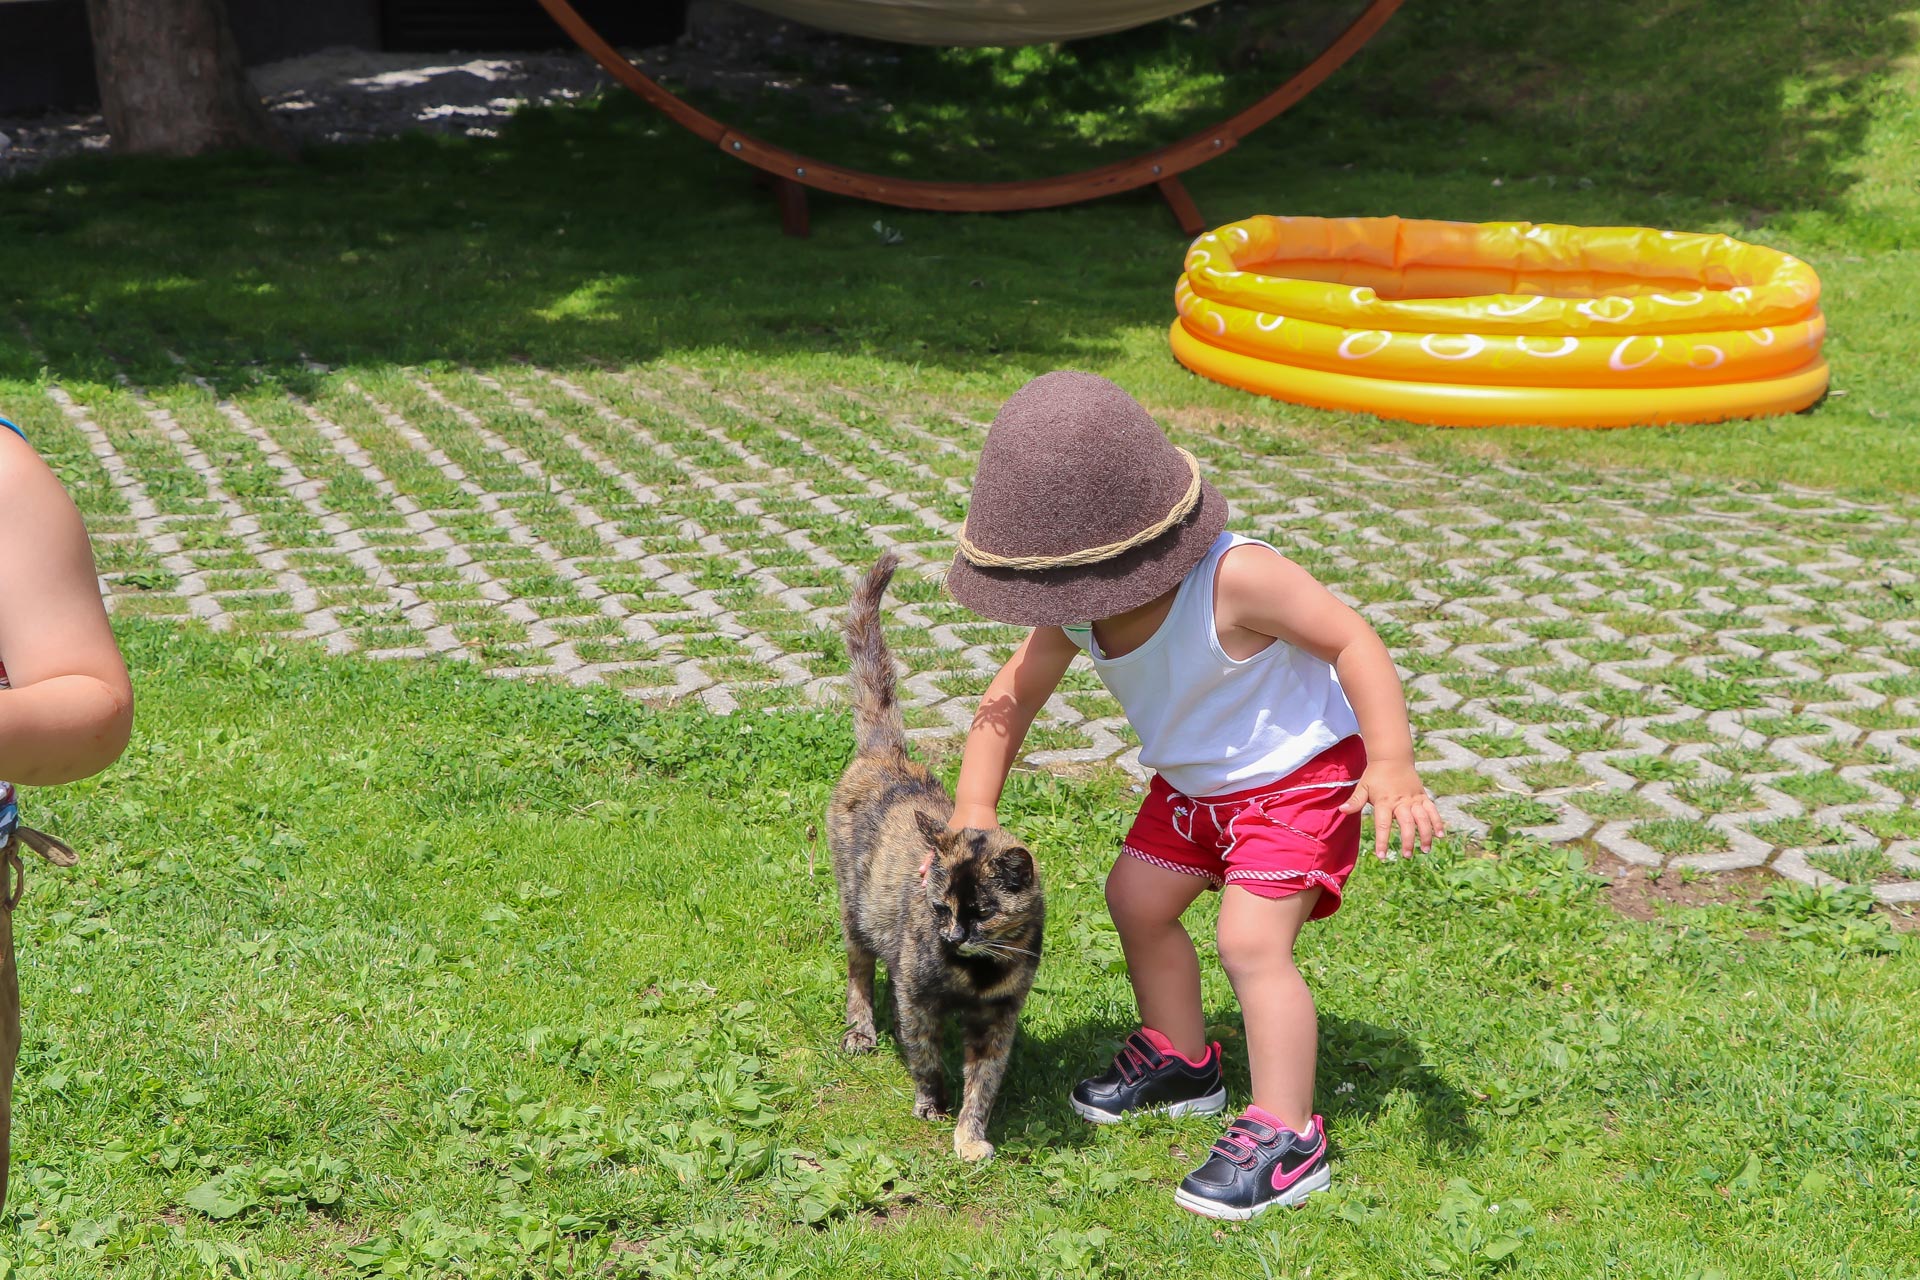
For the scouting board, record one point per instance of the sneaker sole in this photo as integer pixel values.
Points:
(1211, 1105)
(1319, 1180)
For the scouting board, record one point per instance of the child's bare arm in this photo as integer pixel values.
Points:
(70, 710)
(1270, 595)
(1006, 712)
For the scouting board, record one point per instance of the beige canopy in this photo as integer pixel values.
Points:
(975, 22)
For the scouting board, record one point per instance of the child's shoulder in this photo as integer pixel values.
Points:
(25, 478)
(1256, 585)
(1253, 562)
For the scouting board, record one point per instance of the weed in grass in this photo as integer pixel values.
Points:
(1818, 790)
(1841, 754)
(1495, 745)
(1440, 720)
(1515, 811)
(1742, 669)
(1890, 824)
(1798, 725)
(1904, 781)
(1456, 782)
(1598, 651)
(1833, 664)
(1484, 686)
(1057, 738)
(1722, 795)
(1798, 832)
(312, 1182)
(1419, 663)
(1581, 739)
(1807, 693)
(1679, 836)
(1625, 703)
(1874, 719)
(1527, 711)
(1860, 864)
(1554, 775)
(1656, 768)
(1682, 731)
(1712, 694)
(1520, 656)
(1836, 918)
(1745, 761)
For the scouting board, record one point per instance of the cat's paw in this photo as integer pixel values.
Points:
(972, 1150)
(859, 1040)
(925, 1108)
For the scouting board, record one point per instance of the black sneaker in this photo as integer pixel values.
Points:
(1255, 1166)
(1148, 1076)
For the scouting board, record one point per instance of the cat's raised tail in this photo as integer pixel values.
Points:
(877, 726)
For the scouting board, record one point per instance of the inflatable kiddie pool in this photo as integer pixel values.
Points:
(1502, 323)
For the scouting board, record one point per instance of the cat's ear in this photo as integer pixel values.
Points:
(931, 827)
(1013, 870)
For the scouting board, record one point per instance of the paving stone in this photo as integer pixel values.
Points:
(690, 534)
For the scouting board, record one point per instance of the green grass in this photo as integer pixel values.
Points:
(597, 233)
(396, 970)
(514, 980)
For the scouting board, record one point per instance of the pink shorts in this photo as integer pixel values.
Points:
(1274, 840)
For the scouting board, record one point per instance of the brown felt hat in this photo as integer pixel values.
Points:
(1082, 508)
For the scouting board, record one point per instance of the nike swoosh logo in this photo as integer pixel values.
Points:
(1282, 1179)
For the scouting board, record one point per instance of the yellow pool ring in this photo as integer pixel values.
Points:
(1486, 324)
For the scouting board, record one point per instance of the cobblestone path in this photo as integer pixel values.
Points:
(1704, 675)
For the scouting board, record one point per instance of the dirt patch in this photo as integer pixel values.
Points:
(1638, 896)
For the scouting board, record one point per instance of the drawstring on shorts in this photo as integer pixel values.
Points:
(1185, 807)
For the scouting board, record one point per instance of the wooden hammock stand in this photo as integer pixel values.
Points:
(790, 174)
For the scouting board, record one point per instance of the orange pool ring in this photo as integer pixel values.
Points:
(1502, 323)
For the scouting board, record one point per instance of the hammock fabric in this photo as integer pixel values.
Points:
(791, 174)
(976, 22)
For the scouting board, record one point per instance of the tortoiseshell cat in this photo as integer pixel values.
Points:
(965, 941)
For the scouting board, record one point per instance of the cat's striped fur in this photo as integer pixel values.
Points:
(964, 942)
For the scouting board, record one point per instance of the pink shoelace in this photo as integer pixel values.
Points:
(1136, 1057)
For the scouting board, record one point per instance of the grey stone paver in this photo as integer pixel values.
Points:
(1698, 675)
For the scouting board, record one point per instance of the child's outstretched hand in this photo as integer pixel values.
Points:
(1394, 790)
(965, 817)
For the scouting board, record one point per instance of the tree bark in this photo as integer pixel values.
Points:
(171, 80)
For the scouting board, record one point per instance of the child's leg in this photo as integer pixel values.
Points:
(1256, 949)
(1146, 903)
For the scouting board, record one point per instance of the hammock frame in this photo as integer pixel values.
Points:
(790, 174)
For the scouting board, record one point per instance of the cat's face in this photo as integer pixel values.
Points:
(983, 891)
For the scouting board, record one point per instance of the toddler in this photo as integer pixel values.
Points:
(1270, 712)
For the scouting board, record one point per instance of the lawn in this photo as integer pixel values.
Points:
(510, 979)
(599, 233)
(402, 969)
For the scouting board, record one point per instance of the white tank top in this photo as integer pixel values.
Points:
(1207, 723)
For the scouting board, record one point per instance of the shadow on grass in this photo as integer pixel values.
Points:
(1362, 1067)
(1753, 103)
(601, 233)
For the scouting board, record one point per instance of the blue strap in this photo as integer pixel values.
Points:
(11, 427)
(9, 814)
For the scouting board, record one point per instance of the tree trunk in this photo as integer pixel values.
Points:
(171, 81)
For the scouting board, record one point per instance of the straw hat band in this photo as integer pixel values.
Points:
(1093, 555)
